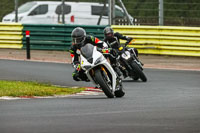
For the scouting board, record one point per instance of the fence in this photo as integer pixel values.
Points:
(163, 40)
(43, 37)
(145, 12)
(11, 35)
(55, 37)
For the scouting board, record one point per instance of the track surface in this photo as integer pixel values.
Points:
(168, 102)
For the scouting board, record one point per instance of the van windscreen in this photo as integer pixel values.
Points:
(26, 7)
(98, 10)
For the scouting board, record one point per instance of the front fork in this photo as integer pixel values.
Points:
(136, 59)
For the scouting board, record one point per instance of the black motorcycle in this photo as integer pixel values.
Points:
(130, 64)
(127, 62)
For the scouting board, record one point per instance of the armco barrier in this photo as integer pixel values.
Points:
(11, 35)
(56, 37)
(163, 40)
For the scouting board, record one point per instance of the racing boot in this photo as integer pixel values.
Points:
(118, 83)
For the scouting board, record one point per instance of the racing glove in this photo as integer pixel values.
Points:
(129, 39)
(77, 67)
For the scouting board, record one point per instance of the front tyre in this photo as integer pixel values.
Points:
(101, 78)
(138, 71)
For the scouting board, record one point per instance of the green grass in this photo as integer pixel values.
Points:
(19, 88)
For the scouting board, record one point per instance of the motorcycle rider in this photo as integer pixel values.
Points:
(79, 39)
(113, 41)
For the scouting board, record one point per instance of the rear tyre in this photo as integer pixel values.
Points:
(101, 77)
(135, 78)
(138, 72)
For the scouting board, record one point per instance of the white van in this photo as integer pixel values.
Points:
(49, 12)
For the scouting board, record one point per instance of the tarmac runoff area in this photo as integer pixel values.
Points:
(149, 61)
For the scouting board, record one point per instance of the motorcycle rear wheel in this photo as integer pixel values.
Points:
(101, 79)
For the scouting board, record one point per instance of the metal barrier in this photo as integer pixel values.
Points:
(11, 35)
(163, 40)
(56, 37)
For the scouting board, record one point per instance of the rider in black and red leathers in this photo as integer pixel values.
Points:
(79, 39)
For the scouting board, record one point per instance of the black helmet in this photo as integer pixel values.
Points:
(78, 36)
(108, 33)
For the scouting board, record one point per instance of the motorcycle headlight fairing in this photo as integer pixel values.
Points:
(101, 58)
(126, 55)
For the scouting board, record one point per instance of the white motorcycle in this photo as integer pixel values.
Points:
(100, 72)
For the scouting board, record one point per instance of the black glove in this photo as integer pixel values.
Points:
(129, 39)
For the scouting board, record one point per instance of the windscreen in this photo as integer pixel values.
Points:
(26, 7)
(87, 51)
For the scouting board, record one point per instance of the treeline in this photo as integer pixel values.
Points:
(180, 11)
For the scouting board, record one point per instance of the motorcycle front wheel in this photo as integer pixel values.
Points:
(102, 79)
(138, 72)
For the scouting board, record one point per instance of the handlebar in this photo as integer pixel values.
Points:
(129, 42)
(108, 50)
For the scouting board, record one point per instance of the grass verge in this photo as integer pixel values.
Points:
(19, 88)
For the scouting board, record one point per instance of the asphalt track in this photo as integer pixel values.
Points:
(168, 103)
